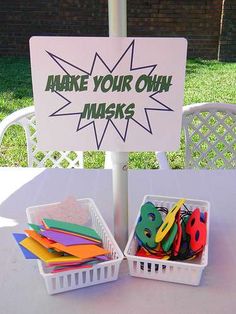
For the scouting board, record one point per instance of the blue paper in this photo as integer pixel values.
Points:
(27, 254)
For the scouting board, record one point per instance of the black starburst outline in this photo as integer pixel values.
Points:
(132, 68)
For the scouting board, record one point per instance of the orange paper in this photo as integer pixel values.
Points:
(82, 251)
(42, 240)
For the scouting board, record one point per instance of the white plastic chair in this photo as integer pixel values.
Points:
(210, 137)
(26, 119)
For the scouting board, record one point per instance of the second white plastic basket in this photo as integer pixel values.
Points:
(74, 279)
(186, 272)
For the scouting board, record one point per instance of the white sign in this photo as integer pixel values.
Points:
(117, 94)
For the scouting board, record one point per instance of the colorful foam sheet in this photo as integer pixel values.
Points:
(37, 237)
(143, 253)
(65, 238)
(35, 227)
(97, 242)
(42, 253)
(82, 251)
(102, 258)
(70, 268)
(67, 226)
(68, 263)
(27, 254)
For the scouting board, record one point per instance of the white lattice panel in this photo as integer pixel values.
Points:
(56, 159)
(210, 138)
(25, 118)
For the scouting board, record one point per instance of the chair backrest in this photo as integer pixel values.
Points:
(63, 159)
(210, 135)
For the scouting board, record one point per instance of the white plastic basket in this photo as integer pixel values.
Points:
(186, 272)
(74, 279)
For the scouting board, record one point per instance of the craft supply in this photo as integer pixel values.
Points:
(196, 229)
(184, 250)
(57, 270)
(65, 239)
(81, 251)
(42, 240)
(177, 240)
(64, 264)
(69, 210)
(102, 268)
(27, 254)
(98, 242)
(144, 253)
(148, 224)
(169, 238)
(70, 227)
(46, 256)
(169, 221)
(180, 233)
(35, 227)
(102, 258)
(37, 249)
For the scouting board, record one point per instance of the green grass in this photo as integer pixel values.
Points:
(15, 85)
(206, 81)
(210, 81)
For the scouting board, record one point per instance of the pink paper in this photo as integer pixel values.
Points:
(70, 268)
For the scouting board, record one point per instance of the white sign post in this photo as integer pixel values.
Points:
(117, 14)
(114, 94)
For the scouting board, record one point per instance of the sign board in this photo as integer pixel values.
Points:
(116, 94)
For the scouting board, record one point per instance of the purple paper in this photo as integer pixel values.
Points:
(65, 239)
(103, 258)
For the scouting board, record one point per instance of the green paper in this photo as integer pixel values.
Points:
(169, 239)
(35, 227)
(184, 247)
(185, 237)
(149, 222)
(52, 251)
(70, 227)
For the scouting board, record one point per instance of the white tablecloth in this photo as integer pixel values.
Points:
(23, 290)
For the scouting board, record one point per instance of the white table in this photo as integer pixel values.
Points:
(23, 290)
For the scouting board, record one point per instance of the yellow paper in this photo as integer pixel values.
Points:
(42, 253)
(166, 257)
(169, 221)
